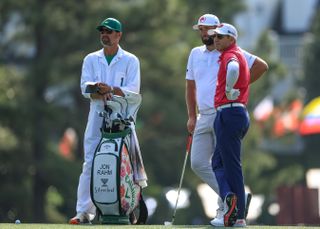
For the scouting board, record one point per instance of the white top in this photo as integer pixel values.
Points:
(203, 68)
(123, 71)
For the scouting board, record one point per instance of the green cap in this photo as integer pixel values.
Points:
(111, 23)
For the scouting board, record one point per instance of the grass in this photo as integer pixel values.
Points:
(66, 226)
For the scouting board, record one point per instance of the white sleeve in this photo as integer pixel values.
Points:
(189, 70)
(133, 76)
(249, 57)
(87, 75)
(232, 74)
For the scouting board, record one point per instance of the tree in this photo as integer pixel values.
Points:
(39, 120)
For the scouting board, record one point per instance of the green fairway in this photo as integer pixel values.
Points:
(66, 226)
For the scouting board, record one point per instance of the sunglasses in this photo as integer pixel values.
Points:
(220, 36)
(107, 31)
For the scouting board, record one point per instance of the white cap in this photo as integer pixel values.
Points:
(224, 29)
(208, 20)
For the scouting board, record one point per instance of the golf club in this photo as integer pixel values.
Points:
(189, 140)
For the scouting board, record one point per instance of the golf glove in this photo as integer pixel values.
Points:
(232, 94)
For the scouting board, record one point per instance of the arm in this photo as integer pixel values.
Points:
(231, 79)
(190, 97)
(87, 76)
(232, 74)
(105, 89)
(258, 68)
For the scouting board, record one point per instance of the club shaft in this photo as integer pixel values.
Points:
(180, 185)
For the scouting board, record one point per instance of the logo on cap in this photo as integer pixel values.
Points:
(231, 32)
(202, 19)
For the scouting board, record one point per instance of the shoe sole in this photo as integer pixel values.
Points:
(230, 217)
(242, 224)
(246, 210)
(77, 222)
(74, 221)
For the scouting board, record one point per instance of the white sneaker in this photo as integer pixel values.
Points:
(80, 218)
(218, 220)
(240, 223)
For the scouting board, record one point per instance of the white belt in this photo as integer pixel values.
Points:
(207, 111)
(228, 105)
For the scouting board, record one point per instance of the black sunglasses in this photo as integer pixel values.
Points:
(106, 30)
(220, 36)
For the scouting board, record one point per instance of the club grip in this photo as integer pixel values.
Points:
(189, 142)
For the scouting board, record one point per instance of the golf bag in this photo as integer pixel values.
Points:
(118, 174)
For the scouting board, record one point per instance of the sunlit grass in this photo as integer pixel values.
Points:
(66, 226)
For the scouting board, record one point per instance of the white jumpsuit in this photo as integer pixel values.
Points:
(123, 72)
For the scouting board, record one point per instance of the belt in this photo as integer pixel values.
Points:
(207, 111)
(228, 105)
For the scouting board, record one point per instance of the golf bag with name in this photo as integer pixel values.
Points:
(118, 174)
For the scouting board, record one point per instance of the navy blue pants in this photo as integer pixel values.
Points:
(230, 126)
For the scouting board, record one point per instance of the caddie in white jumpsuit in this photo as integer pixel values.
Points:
(201, 78)
(112, 70)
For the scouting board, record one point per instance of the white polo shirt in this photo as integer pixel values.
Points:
(203, 68)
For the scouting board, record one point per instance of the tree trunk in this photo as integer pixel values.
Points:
(39, 82)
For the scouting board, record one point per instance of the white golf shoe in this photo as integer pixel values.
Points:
(230, 209)
(218, 220)
(240, 223)
(229, 213)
